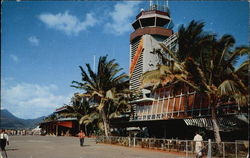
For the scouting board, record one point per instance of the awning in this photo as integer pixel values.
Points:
(227, 123)
(68, 124)
(133, 129)
(67, 119)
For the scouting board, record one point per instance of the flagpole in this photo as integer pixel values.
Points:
(94, 64)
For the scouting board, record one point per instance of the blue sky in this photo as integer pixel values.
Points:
(43, 43)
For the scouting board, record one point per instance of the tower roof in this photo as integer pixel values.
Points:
(156, 16)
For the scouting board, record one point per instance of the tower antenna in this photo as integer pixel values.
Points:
(150, 3)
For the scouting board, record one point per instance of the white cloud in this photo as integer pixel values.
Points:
(34, 40)
(122, 16)
(14, 58)
(67, 23)
(31, 100)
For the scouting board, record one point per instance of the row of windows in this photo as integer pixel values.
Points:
(135, 78)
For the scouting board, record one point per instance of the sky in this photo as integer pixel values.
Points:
(44, 43)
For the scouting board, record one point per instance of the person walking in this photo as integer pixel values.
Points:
(4, 139)
(81, 137)
(198, 144)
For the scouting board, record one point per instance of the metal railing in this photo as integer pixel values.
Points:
(171, 41)
(237, 149)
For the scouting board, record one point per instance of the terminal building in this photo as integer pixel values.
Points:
(161, 113)
(59, 125)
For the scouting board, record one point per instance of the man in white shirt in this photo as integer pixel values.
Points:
(198, 145)
(4, 139)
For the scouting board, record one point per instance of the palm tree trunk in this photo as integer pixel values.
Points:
(86, 132)
(105, 122)
(216, 128)
(104, 117)
(186, 99)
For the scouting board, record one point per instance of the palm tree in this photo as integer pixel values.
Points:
(192, 42)
(220, 78)
(206, 68)
(79, 107)
(103, 86)
(116, 107)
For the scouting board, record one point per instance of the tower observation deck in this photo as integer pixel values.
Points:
(151, 27)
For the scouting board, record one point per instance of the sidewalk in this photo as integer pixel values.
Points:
(68, 147)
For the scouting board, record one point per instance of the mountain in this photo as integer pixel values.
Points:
(9, 121)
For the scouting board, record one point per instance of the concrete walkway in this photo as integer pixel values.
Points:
(68, 147)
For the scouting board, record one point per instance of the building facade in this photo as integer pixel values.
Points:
(60, 125)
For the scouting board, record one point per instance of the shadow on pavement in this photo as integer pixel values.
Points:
(85, 145)
(11, 149)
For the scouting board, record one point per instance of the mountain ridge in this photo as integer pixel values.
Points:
(10, 121)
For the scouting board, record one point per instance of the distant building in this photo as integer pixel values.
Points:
(60, 125)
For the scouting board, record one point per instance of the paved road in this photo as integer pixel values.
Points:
(68, 147)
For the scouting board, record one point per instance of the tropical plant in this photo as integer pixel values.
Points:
(49, 118)
(192, 41)
(103, 87)
(218, 77)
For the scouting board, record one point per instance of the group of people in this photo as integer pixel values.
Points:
(4, 139)
(18, 132)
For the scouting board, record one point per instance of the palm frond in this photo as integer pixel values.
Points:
(239, 51)
(229, 87)
(91, 73)
(227, 41)
(89, 118)
(85, 77)
(171, 53)
(151, 78)
(243, 67)
(114, 114)
(241, 100)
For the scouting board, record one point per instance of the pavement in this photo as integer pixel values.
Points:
(69, 147)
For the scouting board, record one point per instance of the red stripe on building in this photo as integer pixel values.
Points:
(68, 124)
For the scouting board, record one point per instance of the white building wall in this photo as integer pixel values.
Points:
(148, 60)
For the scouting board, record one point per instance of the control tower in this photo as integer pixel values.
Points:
(151, 27)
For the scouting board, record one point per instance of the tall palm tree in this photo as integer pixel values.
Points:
(207, 69)
(192, 43)
(222, 80)
(103, 86)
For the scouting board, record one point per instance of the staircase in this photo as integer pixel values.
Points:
(171, 42)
